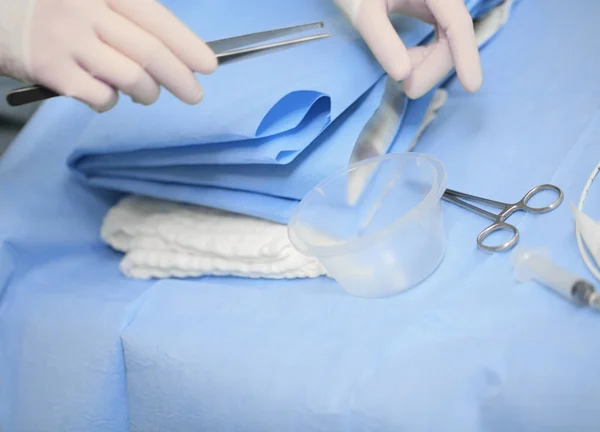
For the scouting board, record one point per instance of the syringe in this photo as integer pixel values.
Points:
(534, 264)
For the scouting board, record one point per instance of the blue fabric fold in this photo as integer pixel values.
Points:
(251, 99)
(268, 192)
(265, 110)
(262, 190)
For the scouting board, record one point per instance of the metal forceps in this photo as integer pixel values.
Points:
(225, 50)
(506, 209)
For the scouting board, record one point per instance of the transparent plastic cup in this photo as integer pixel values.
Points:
(376, 226)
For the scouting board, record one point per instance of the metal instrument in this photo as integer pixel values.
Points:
(226, 50)
(377, 136)
(506, 210)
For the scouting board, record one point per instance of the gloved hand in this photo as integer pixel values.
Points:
(90, 49)
(420, 67)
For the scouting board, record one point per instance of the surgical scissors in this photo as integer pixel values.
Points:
(225, 50)
(506, 209)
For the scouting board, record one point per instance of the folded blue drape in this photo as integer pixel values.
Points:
(269, 129)
(248, 102)
(266, 191)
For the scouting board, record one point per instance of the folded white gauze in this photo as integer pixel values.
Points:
(166, 239)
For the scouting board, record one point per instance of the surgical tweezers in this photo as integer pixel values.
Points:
(225, 50)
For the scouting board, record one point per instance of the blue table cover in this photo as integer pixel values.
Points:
(83, 349)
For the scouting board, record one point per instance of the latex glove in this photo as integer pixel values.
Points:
(421, 67)
(90, 49)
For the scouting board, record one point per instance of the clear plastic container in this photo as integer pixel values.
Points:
(376, 226)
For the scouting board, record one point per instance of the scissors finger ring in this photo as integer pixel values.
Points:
(500, 226)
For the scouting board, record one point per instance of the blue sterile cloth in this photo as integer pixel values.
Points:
(249, 102)
(61, 362)
(295, 97)
(269, 191)
(81, 348)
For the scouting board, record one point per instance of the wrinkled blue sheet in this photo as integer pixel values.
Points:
(267, 192)
(265, 110)
(468, 350)
(58, 288)
(261, 190)
(249, 102)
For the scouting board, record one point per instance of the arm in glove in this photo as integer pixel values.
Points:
(420, 67)
(91, 49)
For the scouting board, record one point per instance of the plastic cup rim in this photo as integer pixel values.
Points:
(434, 194)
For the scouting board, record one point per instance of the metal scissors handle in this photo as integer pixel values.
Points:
(225, 50)
(506, 209)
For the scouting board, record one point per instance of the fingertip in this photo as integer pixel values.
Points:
(107, 105)
(400, 70)
(211, 63)
(100, 99)
(413, 91)
(473, 85)
(205, 60)
(469, 70)
(394, 59)
(148, 98)
(194, 97)
(470, 77)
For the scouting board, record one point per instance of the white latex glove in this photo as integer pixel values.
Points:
(421, 68)
(90, 49)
